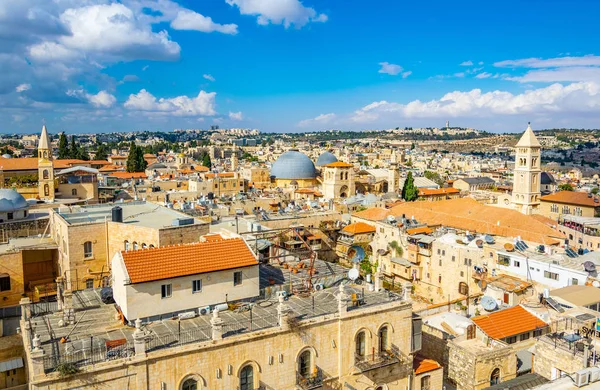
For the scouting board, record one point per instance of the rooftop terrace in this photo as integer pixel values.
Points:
(138, 213)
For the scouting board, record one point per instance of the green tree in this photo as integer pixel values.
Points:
(435, 177)
(140, 162)
(101, 153)
(206, 161)
(410, 192)
(595, 191)
(73, 150)
(565, 187)
(63, 146)
(131, 158)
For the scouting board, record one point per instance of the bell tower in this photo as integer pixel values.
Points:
(528, 168)
(45, 167)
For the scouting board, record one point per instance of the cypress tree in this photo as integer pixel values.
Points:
(410, 193)
(101, 153)
(63, 146)
(206, 161)
(73, 152)
(131, 158)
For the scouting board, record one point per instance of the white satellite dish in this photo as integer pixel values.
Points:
(353, 274)
(596, 283)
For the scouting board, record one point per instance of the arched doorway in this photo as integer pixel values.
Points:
(495, 377)
(344, 191)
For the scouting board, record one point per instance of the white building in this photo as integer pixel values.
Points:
(160, 282)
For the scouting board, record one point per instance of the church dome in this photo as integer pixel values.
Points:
(11, 200)
(326, 158)
(293, 165)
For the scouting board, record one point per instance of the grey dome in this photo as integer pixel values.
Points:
(6, 155)
(11, 200)
(293, 165)
(326, 158)
(546, 178)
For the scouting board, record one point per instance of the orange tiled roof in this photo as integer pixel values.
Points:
(508, 322)
(373, 214)
(167, 262)
(212, 237)
(419, 230)
(468, 214)
(223, 174)
(31, 163)
(129, 175)
(571, 197)
(339, 164)
(98, 162)
(440, 191)
(201, 168)
(422, 365)
(359, 228)
(304, 191)
(111, 168)
(118, 157)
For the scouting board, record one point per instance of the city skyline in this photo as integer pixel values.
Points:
(298, 66)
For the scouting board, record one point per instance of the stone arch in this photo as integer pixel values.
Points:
(256, 370)
(313, 359)
(344, 191)
(198, 378)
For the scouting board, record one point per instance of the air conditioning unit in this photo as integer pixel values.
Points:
(186, 315)
(594, 374)
(204, 310)
(582, 378)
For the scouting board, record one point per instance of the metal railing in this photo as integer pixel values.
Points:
(85, 357)
(377, 359)
(195, 335)
(309, 382)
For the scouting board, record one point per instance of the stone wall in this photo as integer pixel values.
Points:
(548, 358)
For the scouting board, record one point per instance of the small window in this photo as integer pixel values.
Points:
(237, 278)
(537, 333)
(126, 245)
(383, 339)
(190, 384)
(87, 249)
(196, 286)
(135, 246)
(74, 192)
(511, 340)
(361, 344)
(453, 258)
(517, 263)
(574, 282)
(10, 216)
(426, 383)
(89, 283)
(524, 336)
(247, 378)
(463, 289)
(503, 260)
(304, 364)
(5, 283)
(165, 291)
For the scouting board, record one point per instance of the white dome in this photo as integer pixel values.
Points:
(11, 200)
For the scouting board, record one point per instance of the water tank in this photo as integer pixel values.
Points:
(117, 214)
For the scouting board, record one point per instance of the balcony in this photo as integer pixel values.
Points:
(310, 382)
(377, 360)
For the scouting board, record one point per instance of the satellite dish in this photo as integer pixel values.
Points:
(353, 274)
(596, 283)
(489, 303)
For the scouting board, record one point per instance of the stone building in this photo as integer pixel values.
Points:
(338, 180)
(579, 204)
(528, 162)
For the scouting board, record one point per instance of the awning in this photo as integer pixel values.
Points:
(401, 261)
(11, 364)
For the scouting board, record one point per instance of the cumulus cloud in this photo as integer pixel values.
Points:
(319, 120)
(190, 20)
(236, 116)
(554, 99)
(589, 60)
(208, 77)
(201, 105)
(483, 75)
(466, 63)
(102, 99)
(559, 69)
(23, 87)
(391, 69)
(286, 12)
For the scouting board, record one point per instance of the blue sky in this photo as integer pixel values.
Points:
(290, 65)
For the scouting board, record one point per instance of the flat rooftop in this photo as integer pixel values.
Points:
(139, 213)
(95, 323)
(28, 243)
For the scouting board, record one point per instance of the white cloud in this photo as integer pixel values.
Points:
(201, 105)
(466, 63)
(23, 87)
(480, 63)
(236, 116)
(190, 20)
(145, 68)
(286, 12)
(102, 99)
(208, 77)
(391, 69)
(406, 74)
(555, 99)
(319, 120)
(576, 73)
(483, 75)
(589, 60)
(459, 74)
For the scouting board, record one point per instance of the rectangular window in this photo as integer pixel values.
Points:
(89, 283)
(574, 282)
(440, 262)
(524, 336)
(196, 286)
(511, 340)
(237, 278)
(517, 263)
(503, 260)
(453, 258)
(5, 283)
(444, 252)
(439, 251)
(10, 216)
(165, 291)
(537, 333)
(550, 275)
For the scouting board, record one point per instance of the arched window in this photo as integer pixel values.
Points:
(463, 289)
(144, 246)
(383, 339)
(151, 246)
(305, 364)
(495, 377)
(361, 346)
(46, 190)
(426, 383)
(126, 245)
(45, 174)
(189, 384)
(247, 378)
(88, 249)
(74, 192)
(135, 246)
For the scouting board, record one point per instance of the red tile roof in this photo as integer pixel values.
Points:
(440, 191)
(508, 322)
(167, 262)
(128, 175)
(373, 214)
(339, 164)
(422, 365)
(359, 228)
(572, 197)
